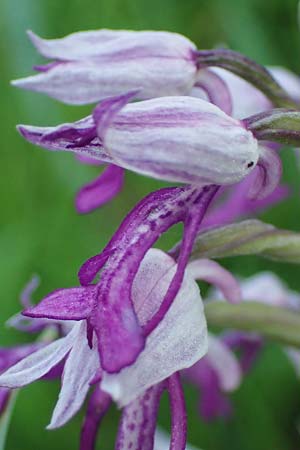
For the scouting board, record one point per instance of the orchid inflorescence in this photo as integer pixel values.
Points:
(212, 123)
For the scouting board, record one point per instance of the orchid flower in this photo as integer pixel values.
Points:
(178, 342)
(89, 66)
(149, 137)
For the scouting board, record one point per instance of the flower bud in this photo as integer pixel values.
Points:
(179, 139)
(92, 65)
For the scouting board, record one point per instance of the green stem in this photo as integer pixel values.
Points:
(278, 324)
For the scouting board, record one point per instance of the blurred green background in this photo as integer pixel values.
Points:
(41, 232)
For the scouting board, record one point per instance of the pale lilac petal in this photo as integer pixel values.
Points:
(181, 139)
(158, 63)
(269, 175)
(101, 190)
(78, 137)
(288, 80)
(82, 82)
(80, 367)
(138, 423)
(224, 363)
(215, 89)
(65, 304)
(99, 403)
(75, 46)
(213, 273)
(37, 364)
(176, 343)
(267, 288)
(246, 99)
(115, 44)
(178, 413)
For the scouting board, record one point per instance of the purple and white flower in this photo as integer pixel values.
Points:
(177, 343)
(179, 139)
(92, 65)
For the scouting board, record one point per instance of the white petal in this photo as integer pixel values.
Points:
(81, 366)
(181, 139)
(225, 363)
(81, 82)
(39, 363)
(178, 342)
(75, 46)
(114, 44)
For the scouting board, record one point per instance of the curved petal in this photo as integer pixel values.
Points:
(269, 174)
(101, 190)
(215, 88)
(224, 363)
(75, 46)
(213, 273)
(37, 364)
(106, 111)
(65, 304)
(138, 423)
(176, 343)
(80, 368)
(78, 137)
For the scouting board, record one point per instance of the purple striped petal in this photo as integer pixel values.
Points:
(138, 232)
(138, 423)
(37, 364)
(178, 413)
(101, 190)
(157, 63)
(80, 368)
(215, 88)
(99, 403)
(213, 273)
(76, 46)
(65, 304)
(149, 137)
(78, 137)
(269, 175)
(178, 341)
